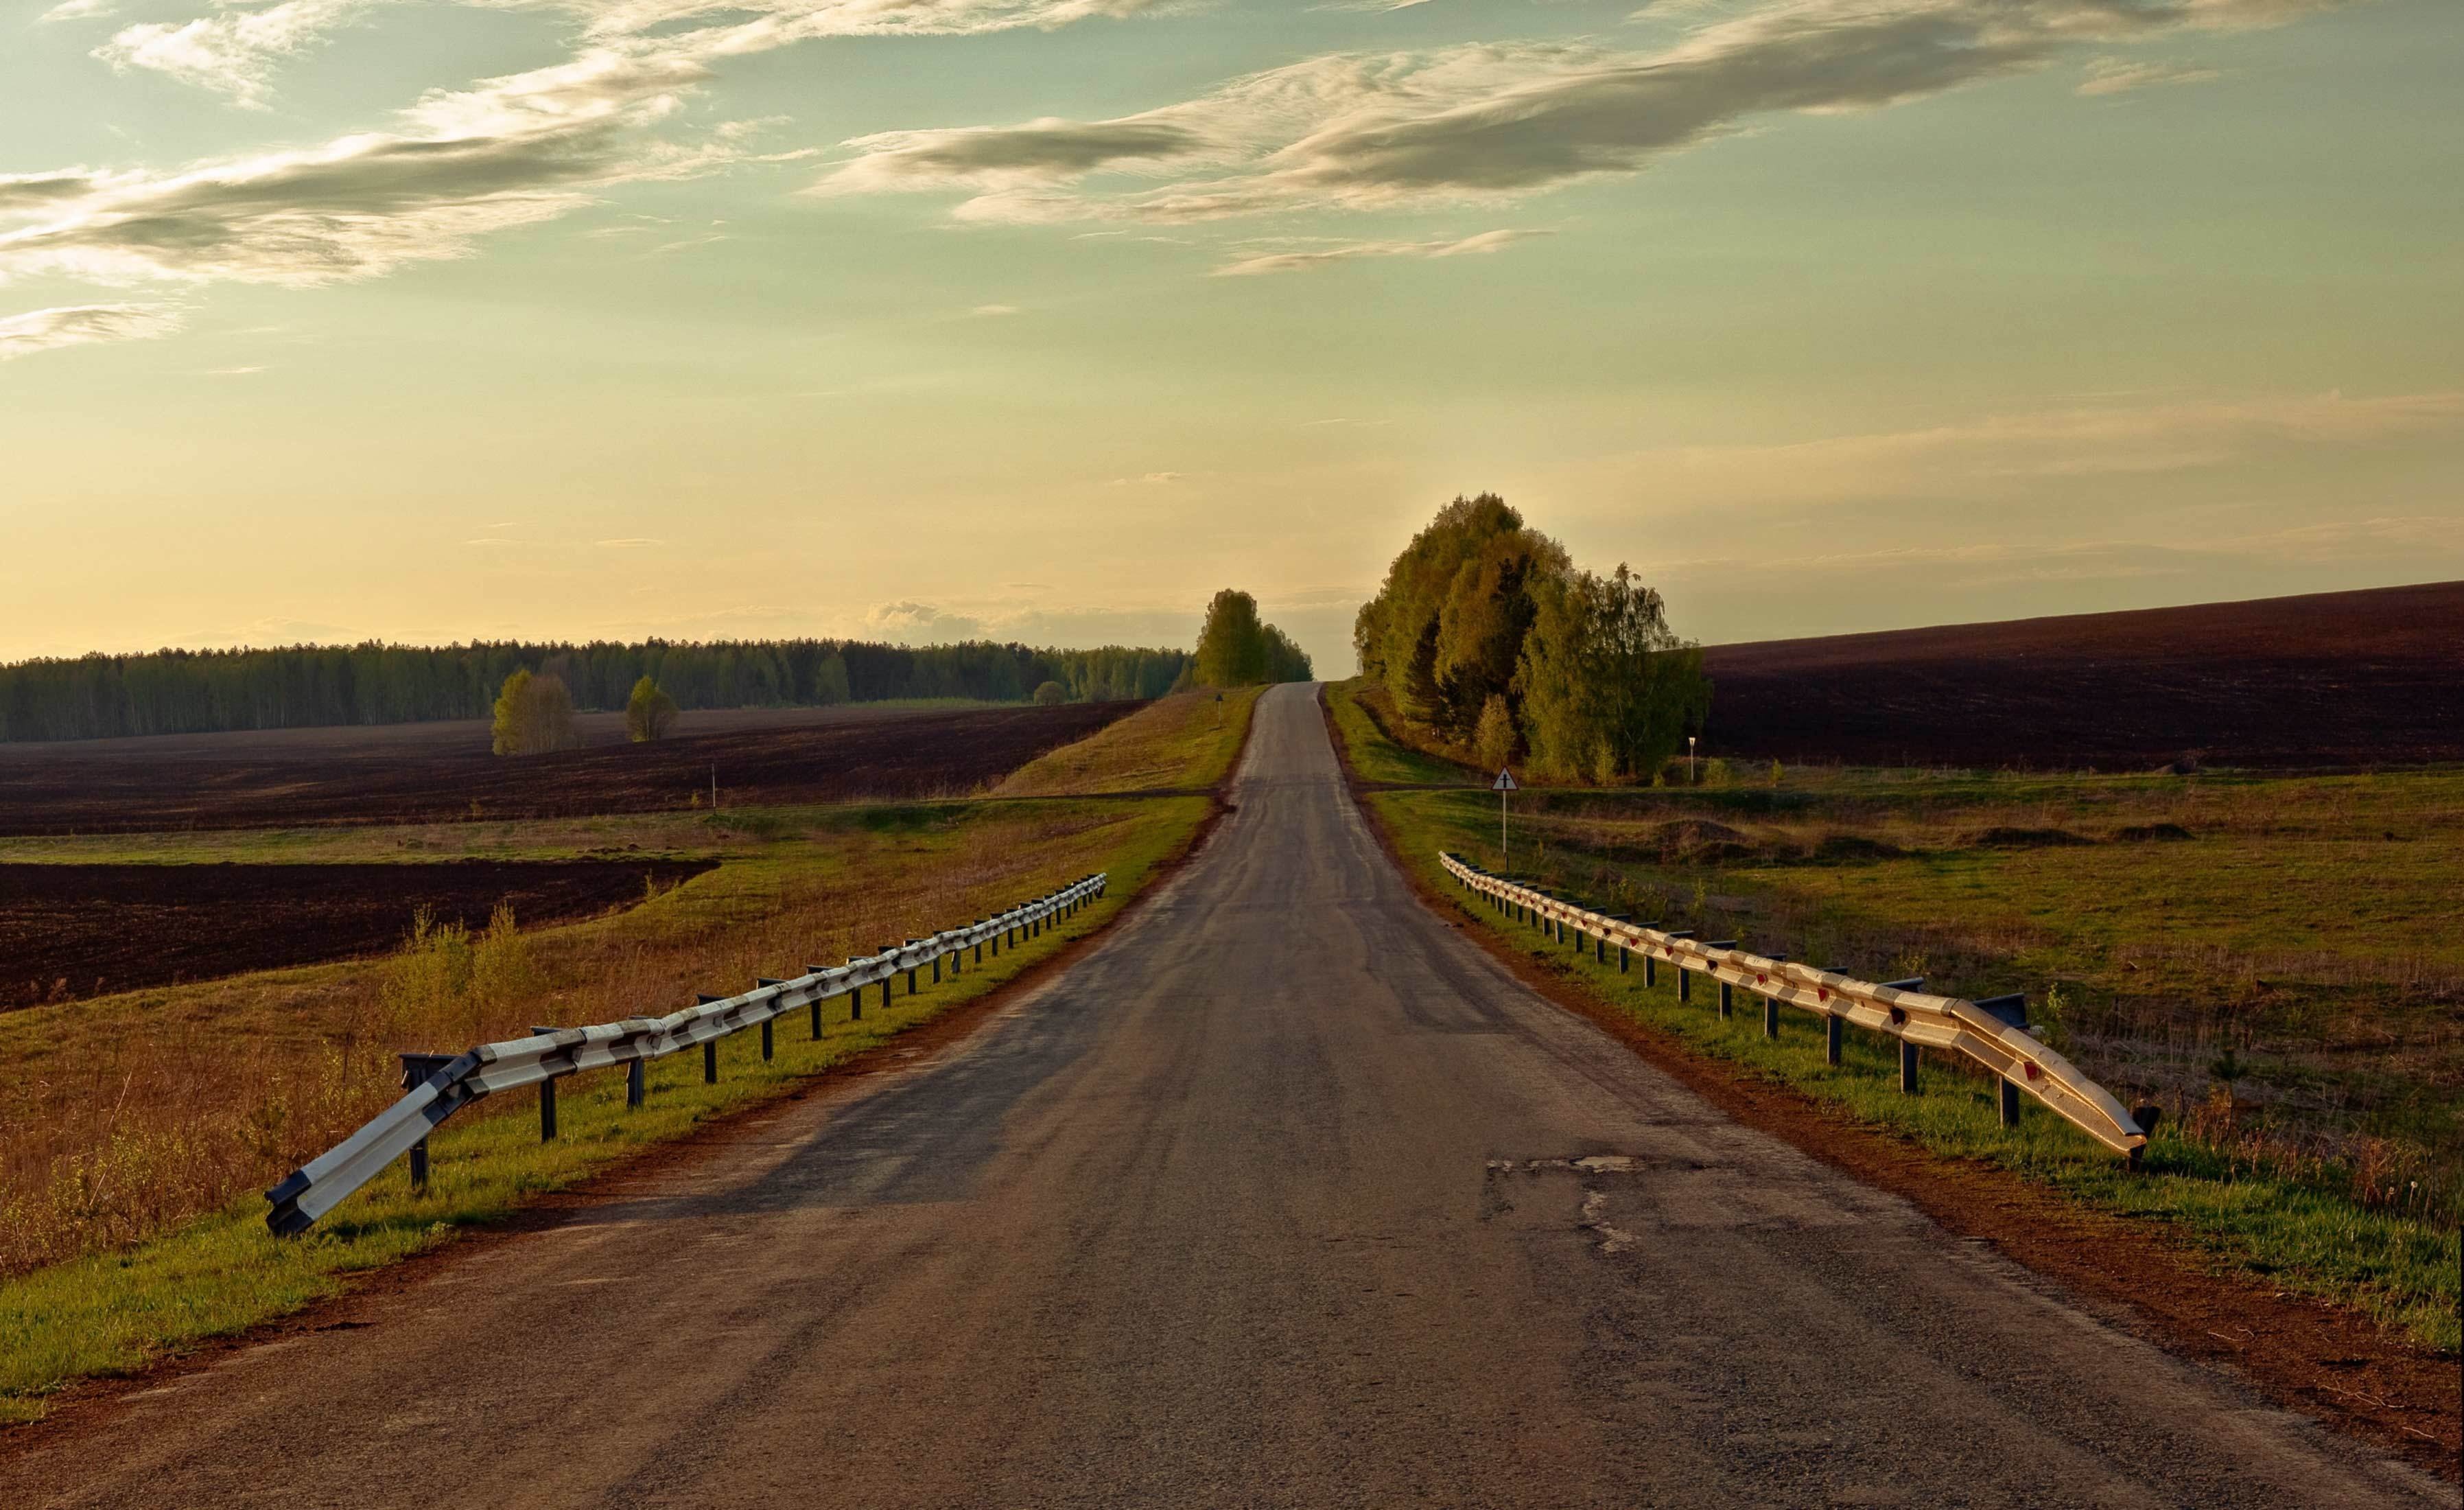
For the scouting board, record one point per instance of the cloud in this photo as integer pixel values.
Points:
(993, 311)
(506, 152)
(629, 542)
(1153, 479)
(2094, 441)
(231, 371)
(232, 52)
(79, 324)
(456, 165)
(1302, 261)
(2114, 75)
(911, 623)
(235, 51)
(1406, 129)
(75, 10)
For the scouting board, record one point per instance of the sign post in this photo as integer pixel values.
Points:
(1504, 784)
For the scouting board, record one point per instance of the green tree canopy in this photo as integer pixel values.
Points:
(534, 714)
(1445, 632)
(1485, 634)
(1237, 648)
(1608, 688)
(649, 713)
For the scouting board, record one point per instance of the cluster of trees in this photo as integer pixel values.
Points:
(187, 692)
(1237, 648)
(1486, 637)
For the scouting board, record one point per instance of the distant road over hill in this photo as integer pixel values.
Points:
(2332, 678)
(1285, 1194)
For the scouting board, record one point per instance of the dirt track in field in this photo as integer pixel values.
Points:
(2339, 679)
(408, 773)
(69, 931)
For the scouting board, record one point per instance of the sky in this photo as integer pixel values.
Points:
(920, 320)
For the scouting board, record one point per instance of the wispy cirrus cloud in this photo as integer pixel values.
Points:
(2070, 442)
(232, 51)
(235, 51)
(2114, 75)
(456, 165)
(1408, 130)
(1305, 260)
(506, 152)
(82, 325)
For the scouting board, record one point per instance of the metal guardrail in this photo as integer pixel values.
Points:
(1993, 1032)
(439, 1085)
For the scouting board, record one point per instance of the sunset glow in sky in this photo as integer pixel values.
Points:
(325, 320)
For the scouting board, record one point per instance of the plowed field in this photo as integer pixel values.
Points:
(69, 931)
(362, 775)
(2338, 679)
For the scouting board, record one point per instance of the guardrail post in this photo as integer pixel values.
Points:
(1685, 984)
(547, 1098)
(416, 1068)
(419, 1165)
(636, 1091)
(1770, 1016)
(937, 972)
(1908, 1068)
(2010, 1100)
(1622, 959)
(1650, 969)
(1831, 1039)
(817, 1020)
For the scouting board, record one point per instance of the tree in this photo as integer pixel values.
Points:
(1051, 695)
(1232, 643)
(1445, 630)
(1235, 648)
(534, 714)
(649, 713)
(1608, 688)
(1493, 741)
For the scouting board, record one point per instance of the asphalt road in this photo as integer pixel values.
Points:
(1285, 1195)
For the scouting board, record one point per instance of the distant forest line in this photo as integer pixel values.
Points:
(209, 690)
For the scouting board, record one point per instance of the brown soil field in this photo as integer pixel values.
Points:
(2372, 677)
(422, 772)
(69, 931)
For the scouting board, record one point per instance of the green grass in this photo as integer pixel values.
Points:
(899, 868)
(1186, 741)
(1990, 919)
(1374, 756)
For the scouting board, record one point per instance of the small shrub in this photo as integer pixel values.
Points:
(1051, 695)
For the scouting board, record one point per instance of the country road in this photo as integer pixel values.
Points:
(1283, 1195)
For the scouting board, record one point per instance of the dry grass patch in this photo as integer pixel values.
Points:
(1184, 742)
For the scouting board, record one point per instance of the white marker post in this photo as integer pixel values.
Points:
(1689, 762)
(1504, 784)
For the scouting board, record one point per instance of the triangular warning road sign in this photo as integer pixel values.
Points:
(1504, 782)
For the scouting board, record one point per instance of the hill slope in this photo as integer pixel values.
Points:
(2333, 678)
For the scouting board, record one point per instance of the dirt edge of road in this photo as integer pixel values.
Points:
(2305, 1355)
(89, 1404)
